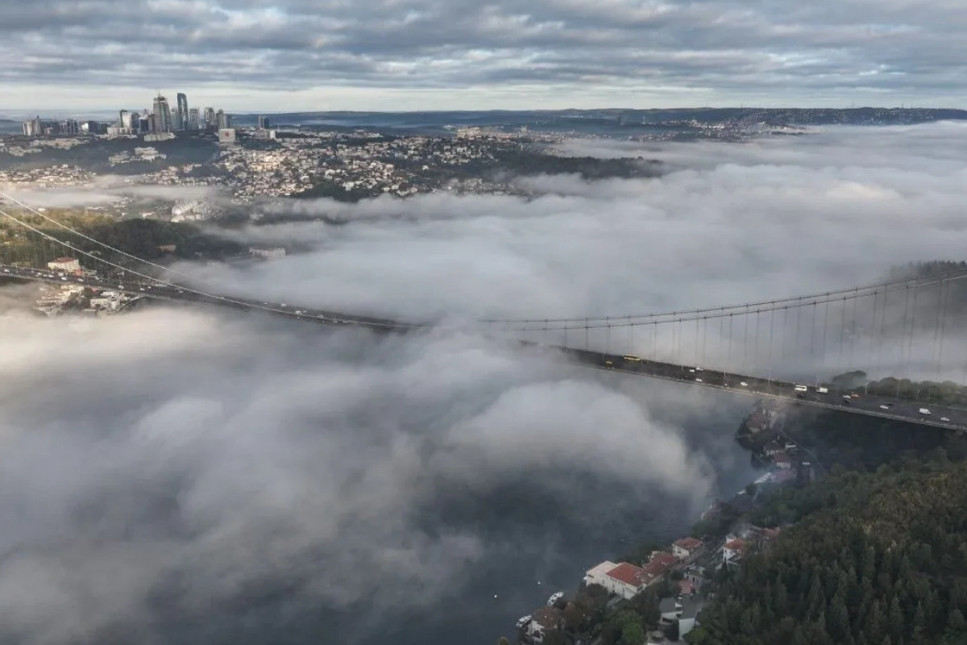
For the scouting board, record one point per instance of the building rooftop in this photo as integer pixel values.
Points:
(689, 543)
(602, 569)
(659, 564)
(735, 545)
(630, 574)
(668, 605)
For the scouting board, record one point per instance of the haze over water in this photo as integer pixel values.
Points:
(185, 475)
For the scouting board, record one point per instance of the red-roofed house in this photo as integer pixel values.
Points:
(659, 565)
(686, 547)
(623, 579)
(771, 533)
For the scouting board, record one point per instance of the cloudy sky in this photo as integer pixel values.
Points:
(465, 54)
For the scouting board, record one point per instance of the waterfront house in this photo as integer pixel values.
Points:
(686, 548)
(622, 579)
(659, 565)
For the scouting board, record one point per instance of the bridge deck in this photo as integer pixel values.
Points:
(874, 406)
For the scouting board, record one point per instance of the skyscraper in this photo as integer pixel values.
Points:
(263, 123)
(209, 117)
(222, 120)
(193, 117)
(33, 128)
(123, 121)
(182, 111)
(162, 115)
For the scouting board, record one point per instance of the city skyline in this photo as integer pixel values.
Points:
(376, 55)
(159, 119)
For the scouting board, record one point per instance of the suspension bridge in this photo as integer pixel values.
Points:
(787, 348)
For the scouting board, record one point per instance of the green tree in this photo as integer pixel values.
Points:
(955, 622)
(888, 552)
(555, 637)
(632, 634)
(896, 619)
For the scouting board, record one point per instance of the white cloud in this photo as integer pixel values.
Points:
(170, 466)
(156, 480)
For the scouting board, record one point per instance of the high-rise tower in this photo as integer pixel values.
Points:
(182, 111)
(162, 115)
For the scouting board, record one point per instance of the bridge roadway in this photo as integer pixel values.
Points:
(852, 401)
(874, 406)
(167, 291)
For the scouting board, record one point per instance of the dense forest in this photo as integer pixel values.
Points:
(143, 238)
(532, 162)
(874, 559)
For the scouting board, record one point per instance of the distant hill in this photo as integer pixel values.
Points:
(9, 126)
(609, 118)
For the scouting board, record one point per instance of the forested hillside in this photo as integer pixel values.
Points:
(876, 559)
(140, 237)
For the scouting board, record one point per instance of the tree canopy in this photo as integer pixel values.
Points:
(876, 558)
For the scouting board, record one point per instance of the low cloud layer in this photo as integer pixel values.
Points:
(148, 484)
(382, 54)
(735, 223)
(179, 474)
(103, 190)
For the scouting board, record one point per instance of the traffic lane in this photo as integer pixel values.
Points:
(188, 294)
(896, 409)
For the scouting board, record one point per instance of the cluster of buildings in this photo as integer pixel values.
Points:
(56, 299)
(142, 153)
(38, 127)
(253, 164)
(684, 563)
(161, 118)
(624, 580)
(360, 163)
(48, 176)
(628, 580)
